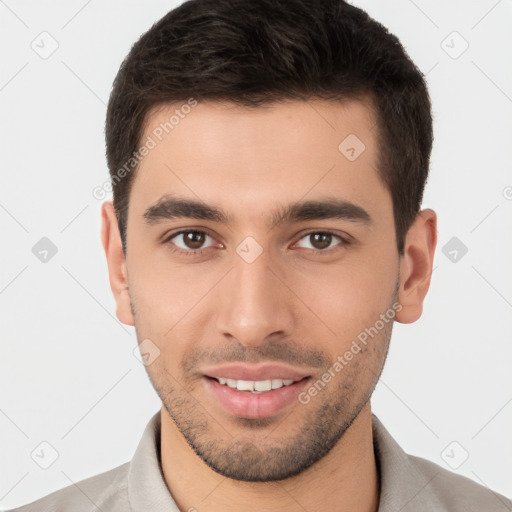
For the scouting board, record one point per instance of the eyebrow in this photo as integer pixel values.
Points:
(171, 207)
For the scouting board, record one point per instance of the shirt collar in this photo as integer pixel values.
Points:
(147, 489)
(401, 485)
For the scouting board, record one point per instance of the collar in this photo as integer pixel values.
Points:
(147, 489)
(402, 487)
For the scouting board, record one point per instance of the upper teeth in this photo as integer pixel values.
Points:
(255, 385)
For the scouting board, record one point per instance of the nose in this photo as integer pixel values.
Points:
(254, 303)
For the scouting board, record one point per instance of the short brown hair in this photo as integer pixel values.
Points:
(253, 52)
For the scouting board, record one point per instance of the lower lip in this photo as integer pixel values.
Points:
(255, 405)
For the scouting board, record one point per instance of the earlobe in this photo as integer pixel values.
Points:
(111, 240)
(416, 266)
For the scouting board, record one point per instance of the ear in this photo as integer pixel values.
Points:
(416, 266)
(111, 240)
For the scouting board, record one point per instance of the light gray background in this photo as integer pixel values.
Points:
(68, 375)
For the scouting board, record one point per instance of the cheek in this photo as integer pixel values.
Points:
(165, 293)
(169, 311)
(350, 295)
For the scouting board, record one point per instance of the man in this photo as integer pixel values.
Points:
(268, 160)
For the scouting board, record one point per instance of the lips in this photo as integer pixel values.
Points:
(250, 404)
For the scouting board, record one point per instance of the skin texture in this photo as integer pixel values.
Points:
(290, 305)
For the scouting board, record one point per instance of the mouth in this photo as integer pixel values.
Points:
(254, 398)
(255, 386)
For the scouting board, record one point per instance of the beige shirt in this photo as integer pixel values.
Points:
(408, 484)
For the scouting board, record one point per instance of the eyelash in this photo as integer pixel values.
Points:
(199, 252)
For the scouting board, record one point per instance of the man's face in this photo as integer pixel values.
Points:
(257, 293)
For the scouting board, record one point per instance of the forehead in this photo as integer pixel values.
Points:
(255, 158)
(215, 127)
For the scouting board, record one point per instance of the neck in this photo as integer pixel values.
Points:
(345, 479)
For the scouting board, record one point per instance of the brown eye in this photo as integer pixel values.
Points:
(322, 241)
(190, 240)
(193, 239)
